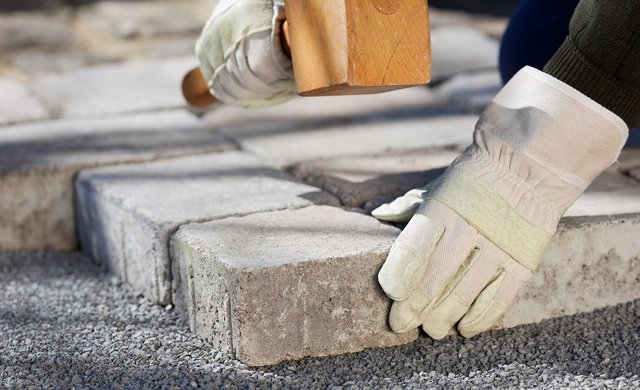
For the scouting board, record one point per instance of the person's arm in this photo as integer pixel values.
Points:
(601, 56)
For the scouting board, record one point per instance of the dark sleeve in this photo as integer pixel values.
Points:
(601, 55)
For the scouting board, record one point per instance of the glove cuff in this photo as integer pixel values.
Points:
(540, 144)
(536, 148)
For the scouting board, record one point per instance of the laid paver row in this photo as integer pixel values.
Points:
(39, 161)
(126, 214)
(301, 281)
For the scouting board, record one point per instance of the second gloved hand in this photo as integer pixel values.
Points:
(482, 228)
(241, 56)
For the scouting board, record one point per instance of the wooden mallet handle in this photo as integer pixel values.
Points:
(195, 87)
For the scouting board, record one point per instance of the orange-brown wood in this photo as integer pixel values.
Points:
(195, 89)
(358, 46)
(343, 47)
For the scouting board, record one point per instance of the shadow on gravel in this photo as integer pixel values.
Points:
(65, 321)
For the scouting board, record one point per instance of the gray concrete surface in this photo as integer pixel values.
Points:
(364, 181)
(38, 163)
(286, 284)
(127, 213)
(241, 279)
(17, 104)
(325, 110)
(67, 324)
(459, 49)
(591, 263)
(114, 89)
(287, 145)
(471, 92)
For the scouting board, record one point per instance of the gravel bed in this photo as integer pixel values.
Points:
(65, 323)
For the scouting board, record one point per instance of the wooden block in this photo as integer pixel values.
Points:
(358, 46)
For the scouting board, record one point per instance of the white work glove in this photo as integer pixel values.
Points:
(241, 56)
(481, 229)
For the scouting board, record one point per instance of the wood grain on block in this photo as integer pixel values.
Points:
(359, 46)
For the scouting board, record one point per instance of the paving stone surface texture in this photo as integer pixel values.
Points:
(492, 26)
(458, 49)
(327, 110)
(26, 30)
(471, 92)
(270, 280)
(114, 89)
(364, 181)
(128, 213)
(38, 162)
(591, 263)
(17, 104)
(283, 147)
(287, 284)
(127, 20)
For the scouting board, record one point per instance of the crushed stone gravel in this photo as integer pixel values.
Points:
(66, 323)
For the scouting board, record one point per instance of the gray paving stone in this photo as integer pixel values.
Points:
(17, 104)
(592, 263)
(127, 213)
(126, 20)
(19, 30)
(36, 62)
(114, 88)
(493, 26)
(284, 145)
(38, 162)
(303, 111)
(284, 285)
(276, 297)
(471, 92)
(460, 49)
(369, 181)
(375, 179)
(612, 193)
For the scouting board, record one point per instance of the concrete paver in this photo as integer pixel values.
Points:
(459, 49)
(304, 111)
(125, 20)
(471, 92)
(283, 146)
(592, 263)
(17, 104)
(368, 181)
(253, 287)
(127, 213)
(38, 162)
(36, 61)
(114, 88)
(493, 26)
(19, 30)
(284, 285)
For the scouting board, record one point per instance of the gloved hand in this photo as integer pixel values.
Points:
(241, 56)
(481, 229)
